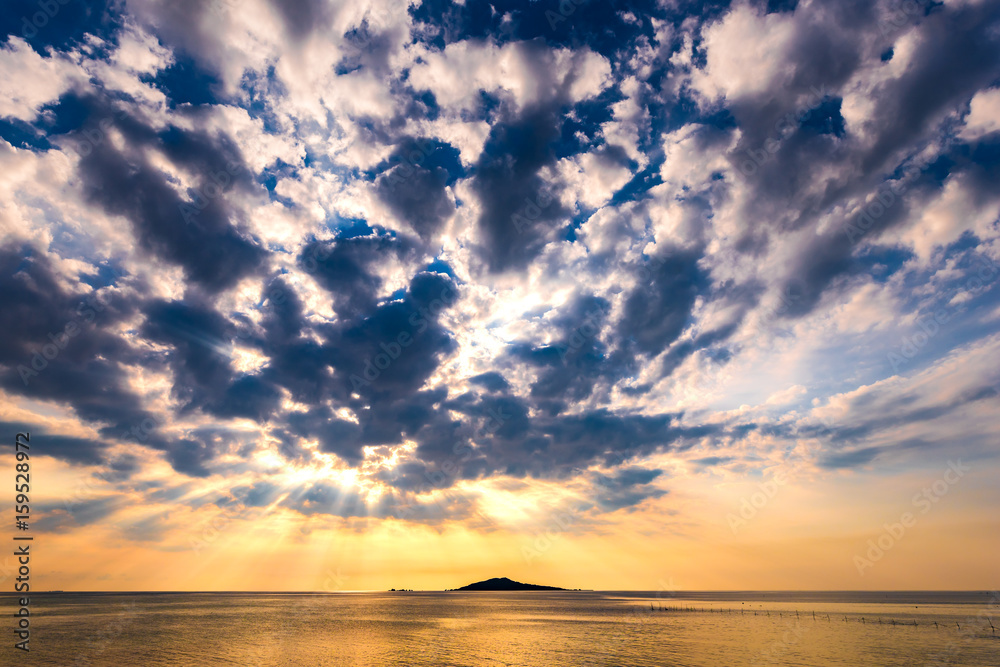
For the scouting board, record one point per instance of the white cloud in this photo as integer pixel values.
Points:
(746, 54)
(29, 81)
(592, 179)
(528, 74)
(140, 52)
(786, 396)
(942, 220)
(984, 115)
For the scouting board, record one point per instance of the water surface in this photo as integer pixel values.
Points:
(537, 629)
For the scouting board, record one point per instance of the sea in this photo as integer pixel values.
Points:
(536, 629)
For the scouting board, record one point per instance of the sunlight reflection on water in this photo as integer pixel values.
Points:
(527, 628)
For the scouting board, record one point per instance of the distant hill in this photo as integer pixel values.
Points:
(505, 584)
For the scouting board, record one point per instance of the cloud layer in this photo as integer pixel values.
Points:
(384, 260)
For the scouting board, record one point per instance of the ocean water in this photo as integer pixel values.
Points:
(538, 629)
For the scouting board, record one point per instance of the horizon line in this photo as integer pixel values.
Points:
(558, 590)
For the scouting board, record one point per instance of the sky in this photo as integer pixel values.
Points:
(618, 295)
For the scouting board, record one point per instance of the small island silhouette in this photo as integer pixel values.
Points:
(505, 584)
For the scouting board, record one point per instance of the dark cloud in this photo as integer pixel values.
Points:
(62, 347)
(959, 57)
(894, 414)
(366, 47)
(199, 337)
(347, 268)
(714, 460)
(492, 381)
(64, 517)
(375, 363)
(626, 488)
(200, 231)
(121, 468)
(302, 17)
(960, 54)
(260, 494)
(190, 457)
(850, 459)
(74, 450)
(824, 53)
(657, 311)
(414, 185)
(324, 498)
(520, 211)
(570, 367)
(81, 361)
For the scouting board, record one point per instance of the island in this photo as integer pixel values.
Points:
(505, 584)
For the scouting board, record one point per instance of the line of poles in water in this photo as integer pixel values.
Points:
(766, 612)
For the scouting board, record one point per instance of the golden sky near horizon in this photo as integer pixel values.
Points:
(796, 540)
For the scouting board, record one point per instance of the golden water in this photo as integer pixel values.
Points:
(538, 629)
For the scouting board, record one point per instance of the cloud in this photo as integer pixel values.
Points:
(196, 230)
(349, 258)
(531, 74)
(983, 113)
(56, 343)
(32, 81)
